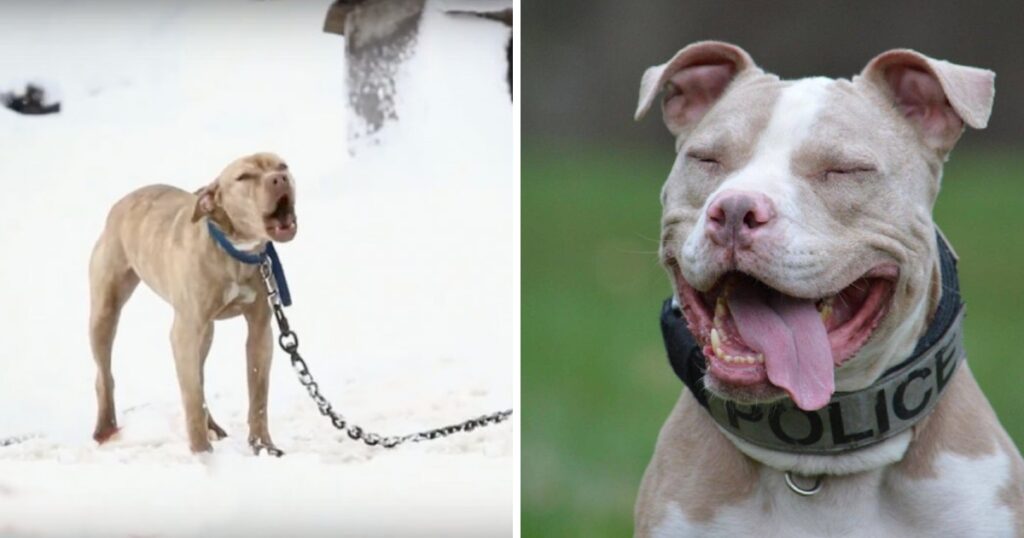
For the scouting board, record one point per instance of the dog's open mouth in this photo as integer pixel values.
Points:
(754, 336)
(280, 223)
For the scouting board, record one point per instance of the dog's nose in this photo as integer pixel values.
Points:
(279, 179)
(736, 217)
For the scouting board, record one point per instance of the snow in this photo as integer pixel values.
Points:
(403, 274)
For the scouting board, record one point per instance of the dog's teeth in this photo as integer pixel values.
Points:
(716, 342)
(742, 359)
(716, 346)
(825, 309)
(720, 310)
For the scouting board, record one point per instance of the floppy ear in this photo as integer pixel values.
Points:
(694, 79)
(206, 202)
(936, 96)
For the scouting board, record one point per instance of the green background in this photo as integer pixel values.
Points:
(596, 384)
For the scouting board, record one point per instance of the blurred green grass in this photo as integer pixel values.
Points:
(596, 385)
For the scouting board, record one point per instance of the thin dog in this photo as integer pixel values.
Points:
(161, 235)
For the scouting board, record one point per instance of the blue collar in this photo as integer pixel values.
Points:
(254, 259)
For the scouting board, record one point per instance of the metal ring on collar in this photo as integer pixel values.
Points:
(800, 491)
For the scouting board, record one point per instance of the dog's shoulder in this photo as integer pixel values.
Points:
(694, 472)
(962, 458)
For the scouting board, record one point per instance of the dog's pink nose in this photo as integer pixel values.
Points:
(277, 184)
(736, 217)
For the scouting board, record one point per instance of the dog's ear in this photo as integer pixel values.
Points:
(694, 79)
(206, 202)
(936, 96)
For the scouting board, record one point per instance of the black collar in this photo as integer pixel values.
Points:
(900, 398)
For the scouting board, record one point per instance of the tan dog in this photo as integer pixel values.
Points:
(158, 234)
(797, 231)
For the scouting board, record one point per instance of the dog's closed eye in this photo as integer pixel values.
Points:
(705, 160)
(246, 175)
(848, 170)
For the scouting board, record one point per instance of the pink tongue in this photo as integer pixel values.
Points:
(792, 337)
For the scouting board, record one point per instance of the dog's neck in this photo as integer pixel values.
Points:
(254, 246)
(873, 457)
(221, 219)
(859, 430)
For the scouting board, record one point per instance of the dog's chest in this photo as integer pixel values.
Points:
(238, 293)
(965, 498)
(236, 297)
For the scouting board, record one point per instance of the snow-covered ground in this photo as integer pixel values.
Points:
(403, 274)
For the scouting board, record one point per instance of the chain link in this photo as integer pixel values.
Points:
(16, 439)
(289, 342)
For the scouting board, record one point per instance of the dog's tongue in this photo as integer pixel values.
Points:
(792, 337)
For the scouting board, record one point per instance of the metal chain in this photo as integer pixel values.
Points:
(289, 342)
(16, 439)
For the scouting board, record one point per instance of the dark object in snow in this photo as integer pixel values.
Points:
(379, 36)
(32, 102)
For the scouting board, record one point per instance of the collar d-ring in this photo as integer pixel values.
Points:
(801, 491)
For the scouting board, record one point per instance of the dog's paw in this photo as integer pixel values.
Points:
(215, 432)
(106, 433)
(259, 446)
(273, 451)
(201, 448)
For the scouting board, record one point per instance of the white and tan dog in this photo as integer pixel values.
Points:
(158, 234)
(797, 230)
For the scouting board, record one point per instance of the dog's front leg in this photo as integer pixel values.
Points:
(187, 336)
(259, 350)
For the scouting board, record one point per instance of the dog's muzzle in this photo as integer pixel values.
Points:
(900, 398)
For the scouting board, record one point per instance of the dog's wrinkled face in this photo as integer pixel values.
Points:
(253, 199)
(796, 220)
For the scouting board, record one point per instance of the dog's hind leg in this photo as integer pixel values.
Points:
(215, 432)
(111, 283)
